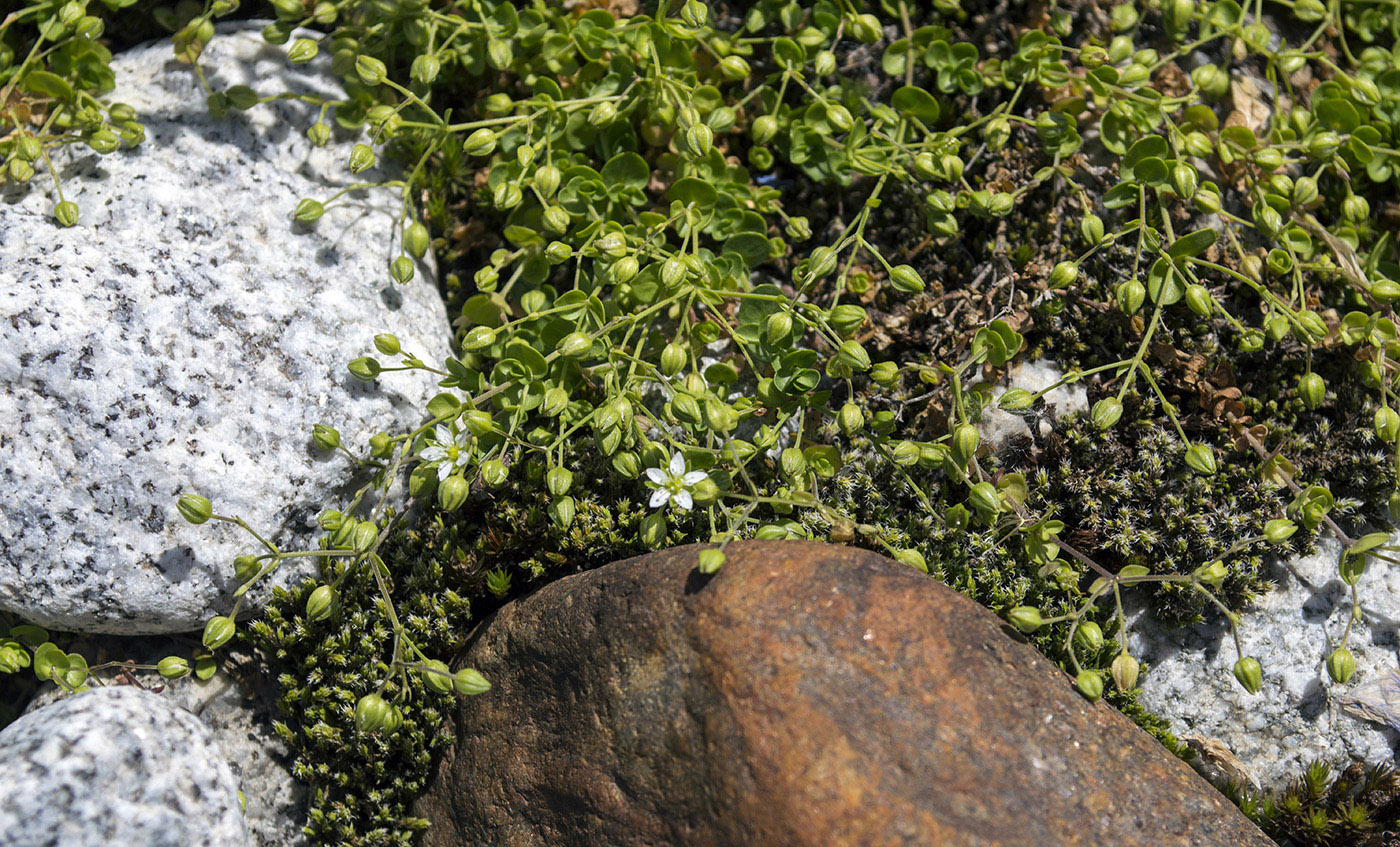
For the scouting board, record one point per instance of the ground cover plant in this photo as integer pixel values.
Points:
(724, 271)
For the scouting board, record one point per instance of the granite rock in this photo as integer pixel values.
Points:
(238, 713)
(116, 766)
(185, 337)
(1291, 630)
(806, 694)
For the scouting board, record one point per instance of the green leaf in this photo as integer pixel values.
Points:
(626, 169)
(46, 84)
(1337, 114)
(1164, 284)
(532, 359)
(749, 246)
(912, 101)
(693, 190)
(1192, 244)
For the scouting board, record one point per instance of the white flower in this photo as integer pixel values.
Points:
(673, 483)
(448, 450)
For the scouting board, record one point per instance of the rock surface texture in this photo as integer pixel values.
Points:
(1298, 716)
(116, 766)
(998, 426)
(804, 695)
(239, 724)
(185, 337)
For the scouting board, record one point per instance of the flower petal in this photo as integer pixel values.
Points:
(693, 477)
(442, 434)
(444, 471)
(659, 497)
(677, 464)
(683, 499)
(433, 453)
(657, 475)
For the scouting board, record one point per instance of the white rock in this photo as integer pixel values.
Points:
(116, 766)
(184, 338)
(998, 426)
(241, 726)
(1291, 631)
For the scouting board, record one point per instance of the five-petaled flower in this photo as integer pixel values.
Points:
(673, 483)
(448, 450)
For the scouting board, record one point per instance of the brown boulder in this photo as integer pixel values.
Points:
(807, 694)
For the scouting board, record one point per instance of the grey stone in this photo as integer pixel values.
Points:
(185, 337)
(240, 724)
(998, 426)
(116, 766)
(1297, 717)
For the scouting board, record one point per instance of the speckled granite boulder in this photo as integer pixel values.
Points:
(239, 722)
(1297, 717)
(116, 766)
(185, 336)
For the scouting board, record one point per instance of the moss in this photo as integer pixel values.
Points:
(362, 786)
(1326, 807)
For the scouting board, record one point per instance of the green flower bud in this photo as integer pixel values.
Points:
(218, 632)
(66, 213)
(912, 558)
(558, 252)
(308, 211)
(1131, 295)
(387, 344)
(1312, 390)
(984, 498)
(1341, 665)
(318, 134)
(886, 374)
(825, 63)
(478, 421)
(245, 568)
(850, 419)
(1016, 399)
(575, 345)
(364, 368)
(997, 133)
(1355, 209)
(652, 530)
(698, 140)
(494, 472)
(710, 560)
(1304, 191)
(194, 508)
(1091, 227)
(499, 53)
(558, 480)
(846, 318)
(507, 195)
(422, 482)
(1026, 619)
(763, 129)
(372, 713)
(20, 171)
(1201, 459)
(673, 358)
(1249, 674)
(452, 493)
(1063, 275)
(1106, 413)
(704, 492)
(425, 68)
(1279, 530)
(798, 228)
(793, 463)
(302, 51)
(547, 178)
(906, 280)
(325, 437)
(1212, 573)
(1387, 424)
(416, 240)
(172, 667)
(602, 114)
(370, 70)
(734, 68)
(321, 604)
(1212, 81)
(1198, 299)
(777, 327)
(625, 269)
(1184, 181)
(821, 262)
(361, 158)
(562, 511)
(965, 442)
(364, 536)
(1089, 636)
(480, 143)
(470, 682)
(1090, 684)
(436, 676)
(853, 356)
(839, 117)
(1125, 672)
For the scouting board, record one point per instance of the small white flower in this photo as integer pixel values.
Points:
(448, 450)
(673, 483)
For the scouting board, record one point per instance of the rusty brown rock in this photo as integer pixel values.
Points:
(807, 694)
